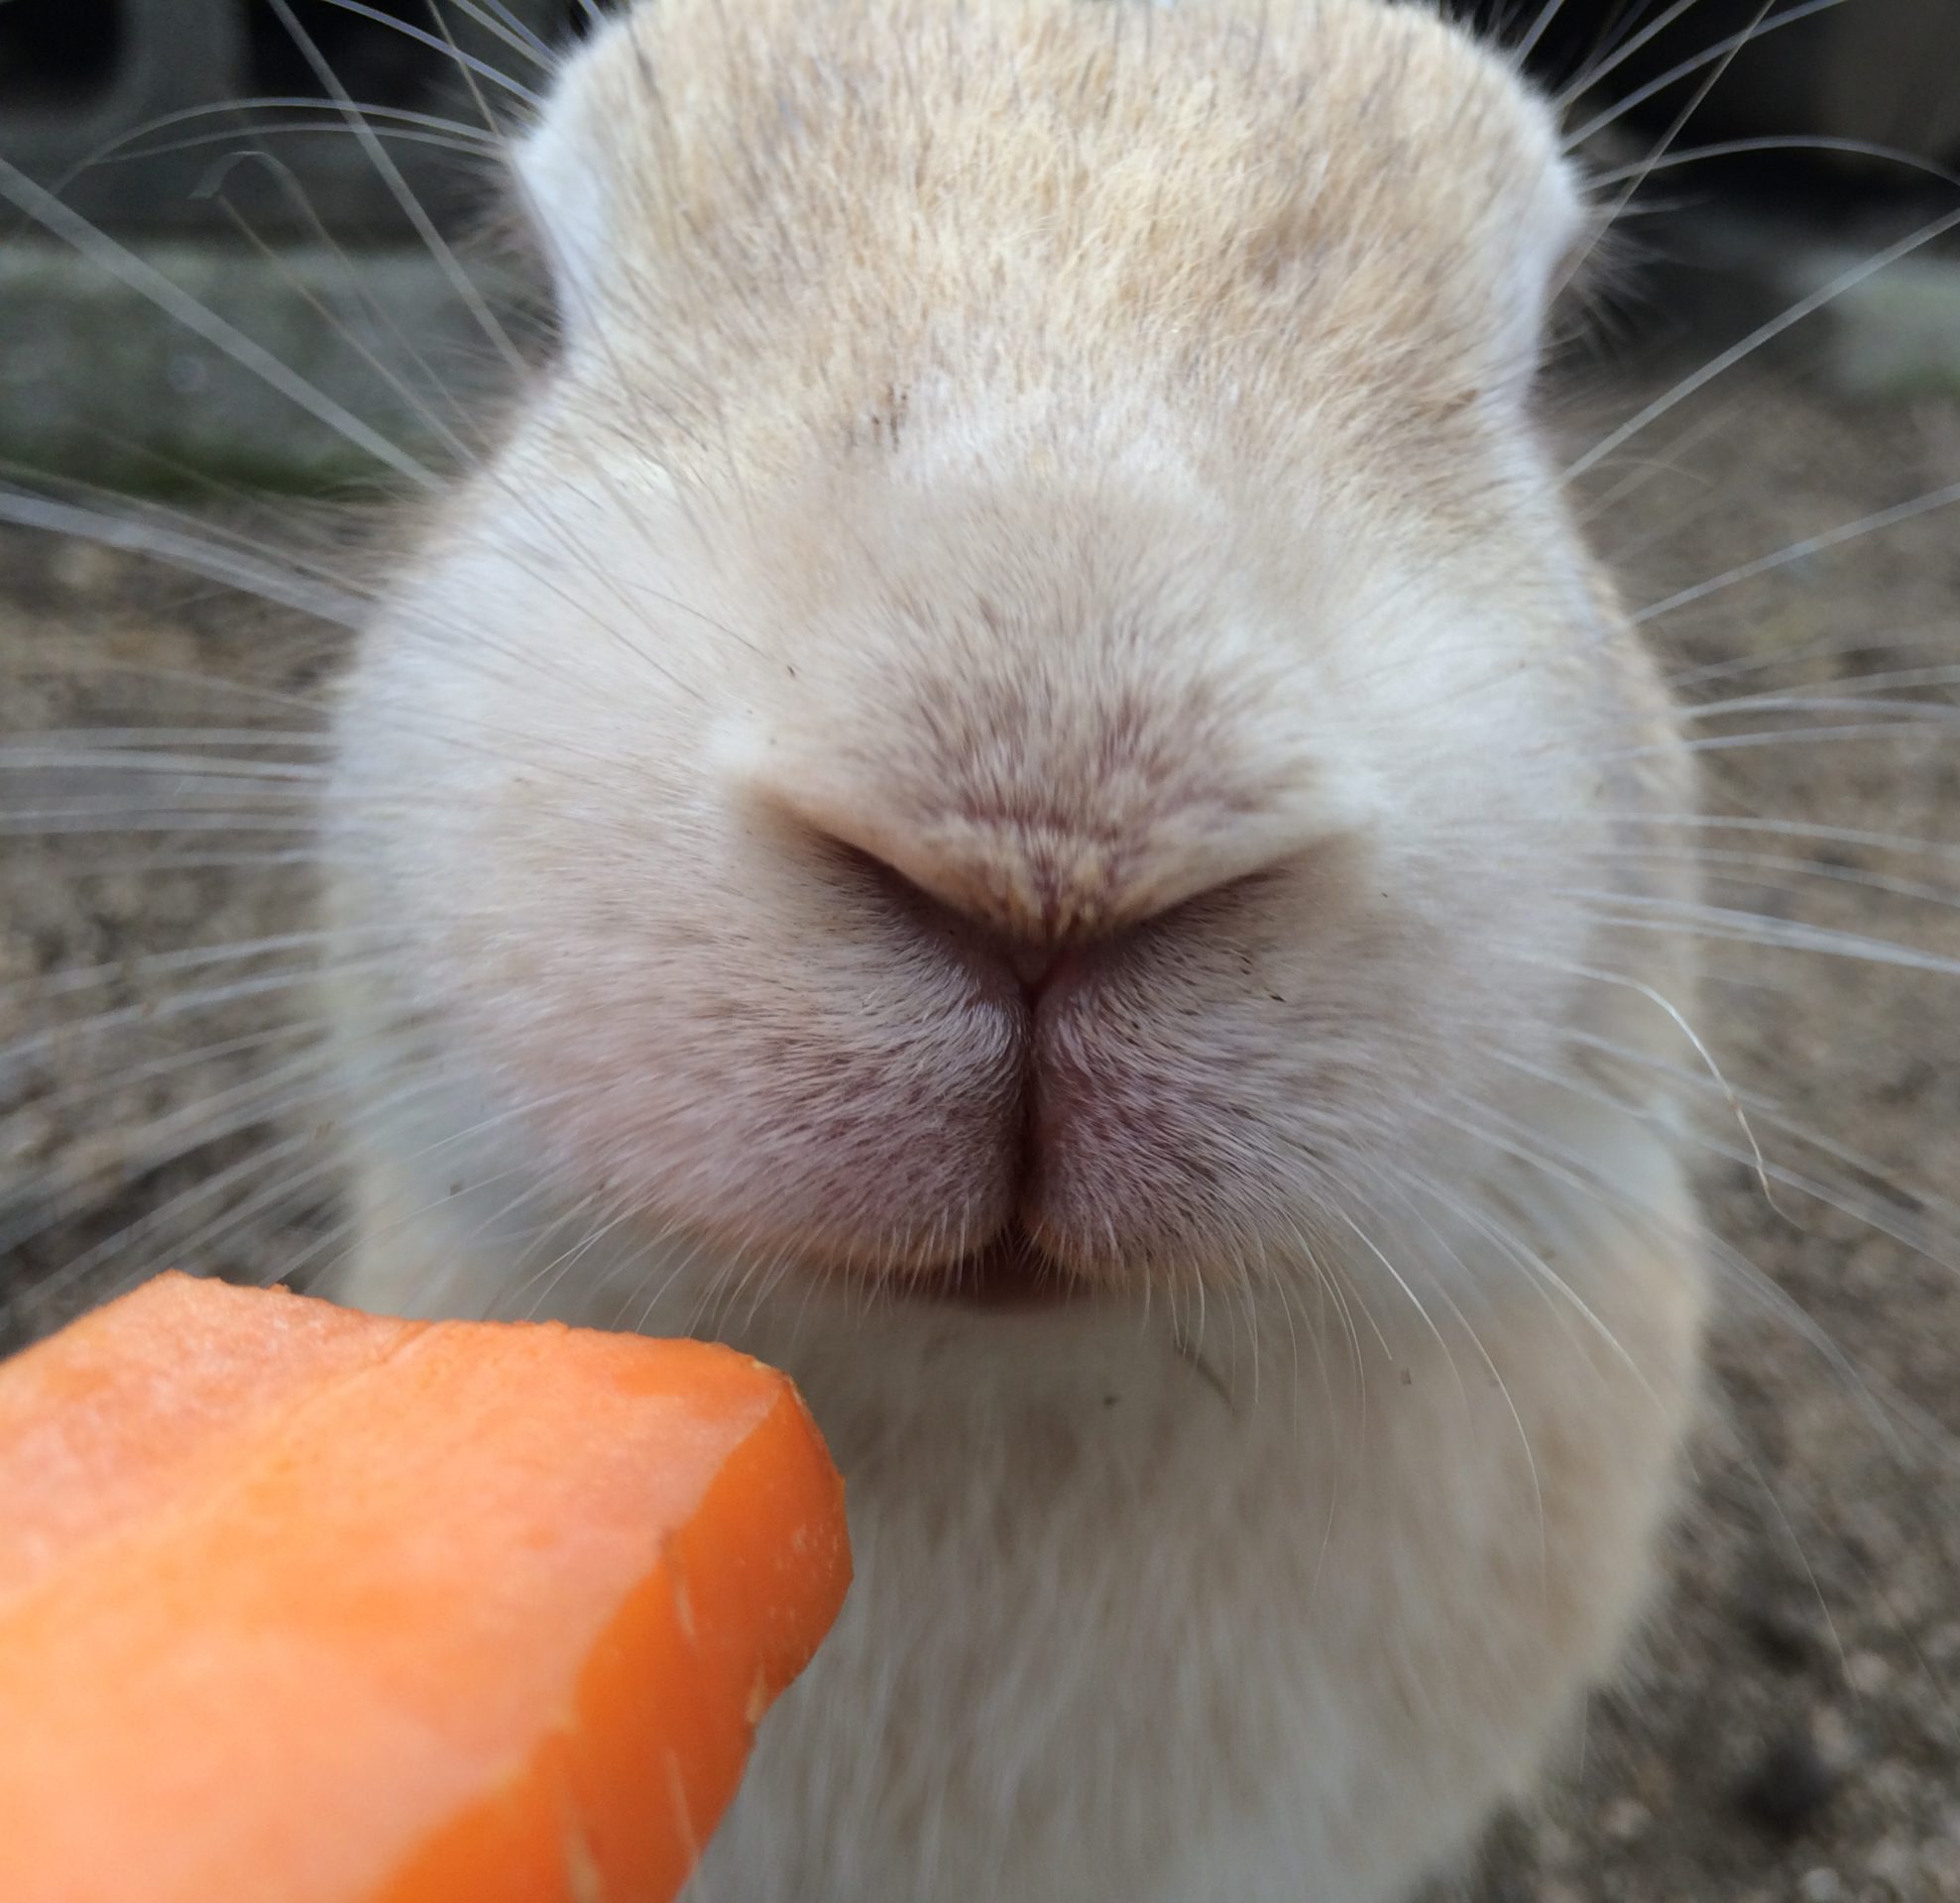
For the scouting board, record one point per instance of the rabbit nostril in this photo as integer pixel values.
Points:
(1034, 966)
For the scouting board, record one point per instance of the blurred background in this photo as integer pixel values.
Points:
(181, 187)
(200, 132)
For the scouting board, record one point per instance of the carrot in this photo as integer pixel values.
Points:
(302, 1605)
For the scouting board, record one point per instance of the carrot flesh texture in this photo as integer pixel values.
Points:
(457, 1613)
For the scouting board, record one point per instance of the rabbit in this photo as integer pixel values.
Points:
(990, 797)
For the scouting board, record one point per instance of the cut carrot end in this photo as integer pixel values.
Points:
(314, 1607)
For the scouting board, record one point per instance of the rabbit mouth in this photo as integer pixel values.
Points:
(1012, 1271)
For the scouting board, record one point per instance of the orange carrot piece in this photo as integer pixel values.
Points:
(302, 1605)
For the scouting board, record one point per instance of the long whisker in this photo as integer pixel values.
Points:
(1781, 142)
(435, 43)
(1661, 146)
(1537, 1150)
(1611, 62)
(1797, 551)
(1643, 912)
(193, 553)
(1763, 333)
(1721, 49)
(73, 228)
(446, 260)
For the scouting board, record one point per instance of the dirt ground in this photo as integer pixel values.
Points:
(1792, 1728)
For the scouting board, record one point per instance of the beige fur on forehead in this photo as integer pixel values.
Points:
(803, 205)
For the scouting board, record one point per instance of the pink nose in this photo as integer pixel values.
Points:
(1021, 957)
(1036, 865)
(1033, 889)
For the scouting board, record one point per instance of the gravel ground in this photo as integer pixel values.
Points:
(1790, 1730)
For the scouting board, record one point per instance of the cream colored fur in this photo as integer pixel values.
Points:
(1060, 473)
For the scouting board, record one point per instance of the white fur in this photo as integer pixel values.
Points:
(1092, 476)
(1274, 1617)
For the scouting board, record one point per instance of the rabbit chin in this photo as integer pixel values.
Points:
(1242, 1590)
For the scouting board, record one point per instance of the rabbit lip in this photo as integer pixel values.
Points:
(1011, 1272)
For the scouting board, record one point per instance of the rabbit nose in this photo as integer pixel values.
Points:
(1032, 895)
(985, 927)
(1043, 847)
